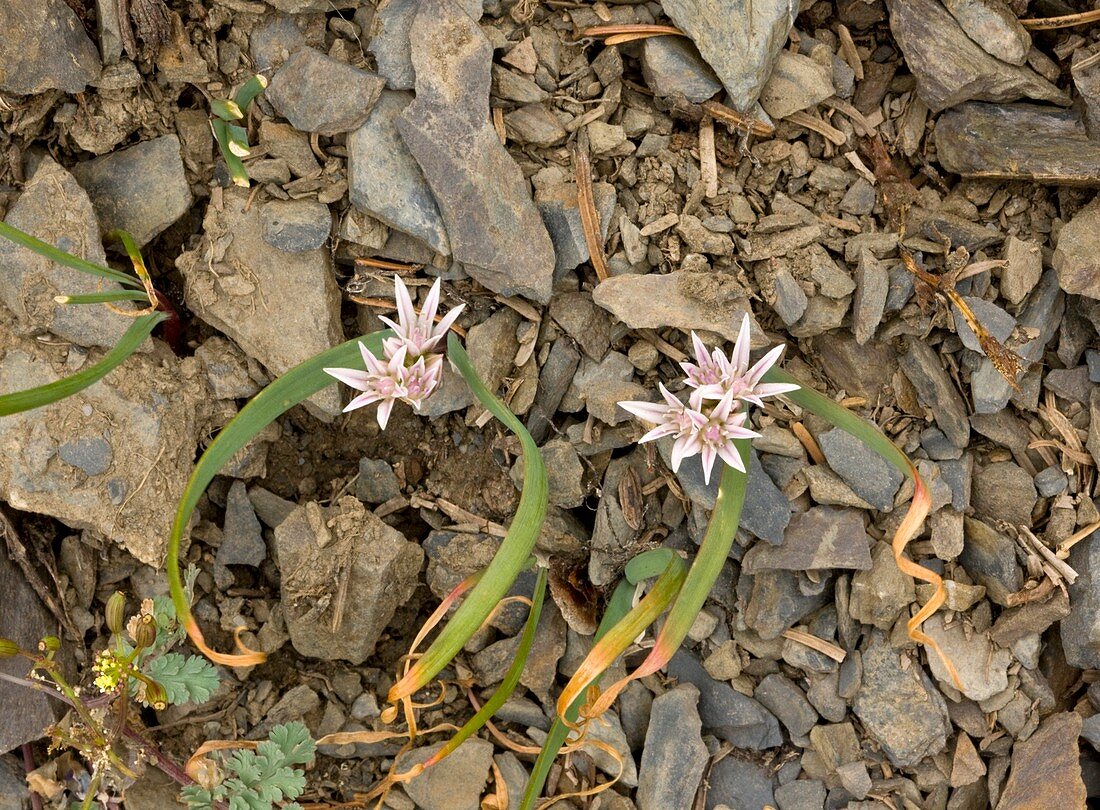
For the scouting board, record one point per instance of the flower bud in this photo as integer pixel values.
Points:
(116, 612)
(156, 695)
(8, 648)
(145, 633)
(49, 644)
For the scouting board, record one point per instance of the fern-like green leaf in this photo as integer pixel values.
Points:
(293, 742)
(184, 677)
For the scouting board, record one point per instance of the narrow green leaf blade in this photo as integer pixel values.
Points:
(249, 90)
(131, 339)
(237, 171)
(103, 297)
(509, 559)
(65, 259)
(293, 388)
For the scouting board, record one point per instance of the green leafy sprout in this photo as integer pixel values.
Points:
(231, 136)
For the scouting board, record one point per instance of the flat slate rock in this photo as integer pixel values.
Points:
(681, 299)
(1046, 767)
(869, 475)
(672, 66)
(56, 210)
(386, 182)
(317, 93)
(739, 39)
(44, 47)
(674, 755)
(993, 25)
(1018, 142)
(1077, 257)
(1081, 647)
(119, 185)
(821, 537)
(493, 225)
(951, 68)
(390, 45)
(280, 307)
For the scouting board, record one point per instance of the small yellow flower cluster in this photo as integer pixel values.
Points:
(110, 671)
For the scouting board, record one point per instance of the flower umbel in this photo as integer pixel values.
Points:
(712, 419)
(411, 366)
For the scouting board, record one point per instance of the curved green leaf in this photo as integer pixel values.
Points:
(509, 559)
(131, 339)
(65, 259)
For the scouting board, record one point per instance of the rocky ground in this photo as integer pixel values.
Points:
(457, 139)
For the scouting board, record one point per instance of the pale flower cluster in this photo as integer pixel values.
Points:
(411, 366)
(713, 417)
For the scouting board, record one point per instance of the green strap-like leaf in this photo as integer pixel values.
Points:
(237, 171)
(65, 259)
(133, 337)
(511, 678)
(646, 565)
(509, 559)
(293, 388)
(249, 90)
(103, 297)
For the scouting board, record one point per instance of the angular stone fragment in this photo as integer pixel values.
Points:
(317, 93)
(456, 782)
(1023, 268)
(872, 286)
(56, 210)
(1081, 628)
(492, 223)
(879, 594)
(796, 82)
(1018, 142)
(822, 537)
(1004, 491)
(990, 559)
(1077, 257)
(109, 457)
(711, 301)
(534, 124)
(119, 185)
(44, 47)
(868, 474)
(672, 66)
(935, 390)
(899, 707)
(558, 207)
(390, 45)
(1046, 768)
(740, 39)
(386, 182)
(994, 26)
(951, 68)
(281, 308)
(1086, 78)
(982, 668)
(674, 755)
(344, 573)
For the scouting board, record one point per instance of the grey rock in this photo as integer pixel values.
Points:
(937, 445)
(775, 600)
(534, 124)
(227, 369)
(1071, 384)
(453, 784)
(237, 282)
(872, 287)
(855, 779)
(879, 594)
(737, 782)
(990, 559)
(869, 475)
(511, 86)
(936, 391)
(1023, 268)
(119, 183)
(1076, 260)
(672, 66)
(982, 668)
(1051, 481)
(151, 407)
(823, 314)
(951, 68)
(780, 696)
(681, 299)
(274, 42)
(899, 707)
(1004, 491)
(860, 199)
(557, 206)
(390, 44)
(583, 321)
(801, 794)
(379, 163)
(740, 40)
(1086, 78)
(27, 712)
(1092, 357)
(376, 482)
(317, 93)
(821, 537)
(564, 473)
(295, 226)
(999, 323)
(1080, 630)
(994, 26)
(91, 455)
(242, 537)
(796, 82)
(859, 370)
(790, 299)
(44, 47)
(610, 733)
(733, 717)
(493, 226)
(270, 508)
(602, 386)
(554, 378)
(375, 566)
(56, 210)
(988, 141)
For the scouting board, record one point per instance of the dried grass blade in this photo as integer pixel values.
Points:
(590, 217)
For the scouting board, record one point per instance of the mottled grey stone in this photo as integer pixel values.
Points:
(1004, 491)
(456, 782)
(119, 186)
(779, 695)
(990, 559)
(994, 26)
(379, 164)
(317, 93)
(390, 43)
(92, 455)
(558, 208)
(44, 47)
(295, 225)
(1051, 481)
(821, 537)
(672, 66)
(674, 755)
(1080, 630)
(998, 322)
(869, 475)
(740, 782)
(936, 391)
(242, 537)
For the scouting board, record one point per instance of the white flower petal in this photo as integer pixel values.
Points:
(350, 376)
(362, 400)
(648, 411)
(385, 407)
(763, 364)
(406, 315)
(708, 455)
(740, 356)
(658, 432)
(431, 304)
(729, 454)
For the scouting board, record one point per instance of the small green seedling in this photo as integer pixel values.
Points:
(232, 137)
